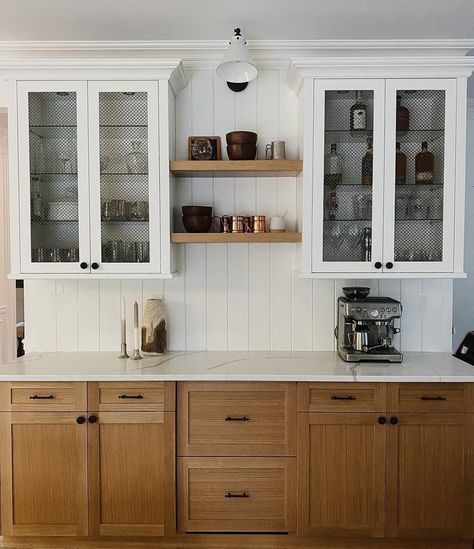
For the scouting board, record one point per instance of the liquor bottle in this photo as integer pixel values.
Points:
(358, 114)
(367, 164)
(403, 116)
(332, 206)
(37, 203)
(424, 163)
(333, 167)
(400, 167)
(368, 244)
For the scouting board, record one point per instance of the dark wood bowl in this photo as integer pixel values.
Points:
(241, 151)
(197, 210)
(197, 223)
(241, 137)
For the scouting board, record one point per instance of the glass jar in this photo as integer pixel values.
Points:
(201, 149)
(137, 161)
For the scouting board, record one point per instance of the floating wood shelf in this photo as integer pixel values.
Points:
(229, 238)
(236, 168)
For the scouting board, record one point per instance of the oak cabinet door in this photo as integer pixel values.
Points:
(428, 485)
(44, 473)
(132, 473)
(341, 474)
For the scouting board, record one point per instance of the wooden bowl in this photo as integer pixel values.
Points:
(197, 210)
(241, 151)
(241, 137)
(197, 223)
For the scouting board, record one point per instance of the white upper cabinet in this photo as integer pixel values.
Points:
(383, 179)
(90, 178)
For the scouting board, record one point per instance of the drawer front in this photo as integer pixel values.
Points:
(52, 396)
(236, 419)
(111, 396)
(341, 397)
(236, 494)
(428, 397)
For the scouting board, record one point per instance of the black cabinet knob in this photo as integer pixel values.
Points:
(382, 420)
(393, 420)
(378, 265)
(80, 420)
(83, 265)
(92, 419)
(389, 265)
(95, 266)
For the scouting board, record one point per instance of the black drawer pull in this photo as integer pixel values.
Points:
(242, 495)
(39, 397)
(243, 418)
(433, 398)
(350, 397)
(134, 397)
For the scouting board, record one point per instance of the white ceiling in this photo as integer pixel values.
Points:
(215, 19)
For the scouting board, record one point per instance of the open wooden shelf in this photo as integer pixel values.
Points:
(222, 238)
(236, 168)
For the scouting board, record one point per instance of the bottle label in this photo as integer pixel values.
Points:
(359, 121)
(424, 176)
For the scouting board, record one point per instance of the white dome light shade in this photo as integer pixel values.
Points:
(237, 65)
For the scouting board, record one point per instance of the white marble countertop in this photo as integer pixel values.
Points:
(233, 365)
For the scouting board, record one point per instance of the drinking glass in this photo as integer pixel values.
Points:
(201, 149)
(143, 252)
(139, 210)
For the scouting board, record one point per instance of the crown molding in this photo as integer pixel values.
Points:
(377, 67)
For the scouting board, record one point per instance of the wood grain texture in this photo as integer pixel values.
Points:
(233, 238)
(428, 476)
(236, 168)
(428, 397)
(341, 397)
(268, 482)
(44, 474)
(132, 474)
(341, 475)
(15, 396)
(156, 396)
(204, 406)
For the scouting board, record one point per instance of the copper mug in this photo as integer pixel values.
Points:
(238, 224)
(259, 225)
(225, 223)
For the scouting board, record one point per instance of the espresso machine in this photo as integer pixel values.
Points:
(365, 326)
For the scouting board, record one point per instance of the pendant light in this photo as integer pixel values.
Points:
(237, 68)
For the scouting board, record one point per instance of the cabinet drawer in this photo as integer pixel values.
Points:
(341, 397)
(428, 397)
(236, 419)
(54, 396)
(236, 494)
(111, 396)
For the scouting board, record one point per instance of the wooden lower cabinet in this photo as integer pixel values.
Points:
(132, 474)
(341, 474)
(429, 475)
(44, 473)
(236, 494)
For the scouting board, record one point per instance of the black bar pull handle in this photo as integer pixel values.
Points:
(243, 418)
(39, 397)
(433, 398)
(242, 495)
(134, 397)
(349, 397)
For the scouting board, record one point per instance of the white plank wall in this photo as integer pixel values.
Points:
(235, 297)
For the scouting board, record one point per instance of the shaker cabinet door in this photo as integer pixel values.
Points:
(420, 175)
(53, 177)
(124, 177)
(347, 225)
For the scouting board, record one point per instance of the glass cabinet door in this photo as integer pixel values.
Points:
(348, 186)
(52, 136)
(125, 227)
(420, 175)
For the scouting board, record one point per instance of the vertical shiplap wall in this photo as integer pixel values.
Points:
(240, 296)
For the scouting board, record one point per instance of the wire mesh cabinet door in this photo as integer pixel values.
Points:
(53, 177)
(420, 175)
(124, 177)
(348, 175)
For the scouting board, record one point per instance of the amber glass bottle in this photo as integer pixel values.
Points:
(400, 167)
(367, 164)
(424, 164)
(403, 116)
